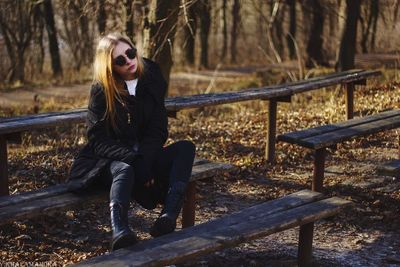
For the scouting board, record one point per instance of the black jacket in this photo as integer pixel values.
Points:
(145, 126)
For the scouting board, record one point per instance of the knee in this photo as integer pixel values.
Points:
(187, 147)
(119, 167)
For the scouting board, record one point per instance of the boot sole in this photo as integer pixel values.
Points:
(162, 226)
(123, 242)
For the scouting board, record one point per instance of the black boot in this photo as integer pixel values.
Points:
(166, 223)
(122, 235)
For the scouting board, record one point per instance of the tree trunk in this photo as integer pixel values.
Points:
(370, 28)
(16, 24)
(101, 17)
(52, 35)
(205, 22)
(190, 32)
(224, 31)
(235, 27)
(349, 36)
(290, 38)
(159, 32)
(315, 41)
(129, 24)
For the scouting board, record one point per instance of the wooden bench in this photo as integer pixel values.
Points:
(53, 198)
(12, 127)
(322, 137)
(298, 209)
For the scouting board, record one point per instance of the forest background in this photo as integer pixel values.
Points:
(44, 41)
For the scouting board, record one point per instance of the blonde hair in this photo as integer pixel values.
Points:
(103, 73)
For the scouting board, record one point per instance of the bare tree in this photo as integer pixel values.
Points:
(159, 32)
(224, 50)
(205, 22)
(347, 48)
(48, 16)
(190, 28)
(101, 16)
(369, 26)
(78, 30)
(235, 29)
(291, 36)
(129, 24)
(315, 41)
(16, 26)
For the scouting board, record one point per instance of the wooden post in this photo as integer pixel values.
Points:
(271, 134)
(189, 206)
(349, 100)
(3, 167)
(319, 169)
(304, 256)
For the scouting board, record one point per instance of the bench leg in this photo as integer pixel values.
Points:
(305, 245)
(189, 206)
(349, 100)
(271, 134)
(3, 167)
(319, 169)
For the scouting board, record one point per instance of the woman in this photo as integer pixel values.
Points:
(127, 129)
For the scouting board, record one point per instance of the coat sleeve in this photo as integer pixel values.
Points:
(99, 132)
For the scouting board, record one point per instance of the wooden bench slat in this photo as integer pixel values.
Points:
(199, 243)
(315, 137)
(333, 80)
(30, 204)
(277, 205)
(332, 138)
(302, 134)
(29, 122)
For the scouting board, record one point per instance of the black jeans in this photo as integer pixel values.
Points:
(172, 164)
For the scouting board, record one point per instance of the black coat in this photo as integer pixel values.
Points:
(142, 121)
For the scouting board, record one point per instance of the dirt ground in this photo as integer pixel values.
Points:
(367, 234)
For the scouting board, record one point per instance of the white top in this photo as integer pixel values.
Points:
(131, 84)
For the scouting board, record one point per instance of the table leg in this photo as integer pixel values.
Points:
(271, 134)
(319, 169)
(189, 206)
(349, 100)
(305, 245)
(3, 167)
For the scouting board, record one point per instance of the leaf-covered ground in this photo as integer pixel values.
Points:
(367, 234)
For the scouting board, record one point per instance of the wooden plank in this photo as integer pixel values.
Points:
(277, 205)
(293, 137)
(341, 135)
(391, 168)
(31, 204)
(29, 122)
(201, 169)
(271, 132)
(329, 81)
(222, 235)
(46, 205)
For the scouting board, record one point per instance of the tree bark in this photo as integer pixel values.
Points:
(235, 28)
(369, 28)
(190, 32)
(347, 48)
(290, 38)
(224, 50)
(205, 22)
(101, 17)
(315, 41)
(52, 36)
(16, 24)
(129, 24)
(159, 32)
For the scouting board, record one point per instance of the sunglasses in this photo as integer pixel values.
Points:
(121, 60)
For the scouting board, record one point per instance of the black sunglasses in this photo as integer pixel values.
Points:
(121, 60)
